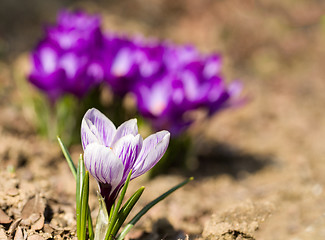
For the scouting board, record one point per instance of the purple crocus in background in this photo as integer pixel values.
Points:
(162, 104)
(191, 81)
(129, 61)
(57, 72)
(169, 81)
(110, 153)
(76, 30)
(69, 58)
(120, 63)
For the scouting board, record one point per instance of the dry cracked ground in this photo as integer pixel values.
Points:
(259, 170)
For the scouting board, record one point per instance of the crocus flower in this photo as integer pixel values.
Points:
(76, 30)
(177, 57)
(57, 72)
(192, 81)
(69, 58)
(162, 104)
(120, 65)
(129, 61)
(110, 153)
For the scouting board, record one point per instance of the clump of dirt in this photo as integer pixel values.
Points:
(240, 222)
(28, 211)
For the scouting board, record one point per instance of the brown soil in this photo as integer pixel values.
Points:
(260, 168)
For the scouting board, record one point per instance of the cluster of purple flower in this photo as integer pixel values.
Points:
(167, 80)
(190, 81)
(68, 59)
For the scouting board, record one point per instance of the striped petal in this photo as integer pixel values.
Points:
(127, 149)
(152, 151)
(103, 165)
(128, 127)
(96, 128)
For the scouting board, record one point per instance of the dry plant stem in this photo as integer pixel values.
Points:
(102, 219)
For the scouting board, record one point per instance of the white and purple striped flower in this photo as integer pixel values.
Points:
(110, 153)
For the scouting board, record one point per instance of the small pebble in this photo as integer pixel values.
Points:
(12, 192)
(35, 237)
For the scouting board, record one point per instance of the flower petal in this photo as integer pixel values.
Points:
(127, 149)
(128, 127)
(103, 165)
(96, 127)
(152, 151)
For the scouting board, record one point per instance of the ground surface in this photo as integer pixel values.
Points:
(260, 172)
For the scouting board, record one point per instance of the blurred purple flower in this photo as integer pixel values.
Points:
(129, 61)
(76, 31)
(111, 153)
(168, 80)
(57, 72)
(177, 57)
(69, 58)
(191, 81)
(162, 103)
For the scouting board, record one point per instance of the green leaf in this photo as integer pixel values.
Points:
(79, 189)
(78, 199)
(111, 211)
(84, 206)
(90, 225)
(102, 220)
(68, 157)
(148, 207)
(126, 209)
(117, 207)
(77, 178)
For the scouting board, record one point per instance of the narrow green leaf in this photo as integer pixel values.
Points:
(79, 190)
(82, 168)
(117, 207)
(111, 212)
(68, 157)
(148, 207)
(126, 209)
(125, 231)
(90, 225)
(102, 220)
(78, 201)
(84, 206)
(75, 171)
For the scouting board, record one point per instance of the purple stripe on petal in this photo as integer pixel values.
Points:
(96, 127)
(127, 149)
(152, 151)
(103, 164)
(88, 135)
(128, 127)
